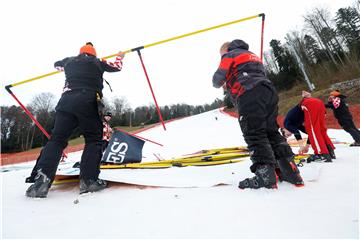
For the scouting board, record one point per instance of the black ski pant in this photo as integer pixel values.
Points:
(75, 109)
(258, 110)
(105, 144)
(349, 126)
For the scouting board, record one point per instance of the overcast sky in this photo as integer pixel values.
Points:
(35, 34)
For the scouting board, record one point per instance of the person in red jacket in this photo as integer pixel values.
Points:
(314, 121)
(242, 74)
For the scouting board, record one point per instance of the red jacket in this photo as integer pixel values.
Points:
(315, 126)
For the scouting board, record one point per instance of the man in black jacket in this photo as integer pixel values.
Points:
(77, 107)
(293, 124)
(242, 74)
(341, 111)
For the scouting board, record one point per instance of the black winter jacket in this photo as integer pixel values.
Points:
(86, 71)
(294, 121)
(340, 108)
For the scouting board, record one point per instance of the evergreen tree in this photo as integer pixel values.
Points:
(288, 70)
(314, 52)
(280, 55)
(348, 26)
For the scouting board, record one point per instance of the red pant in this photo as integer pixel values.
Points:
(314, 120)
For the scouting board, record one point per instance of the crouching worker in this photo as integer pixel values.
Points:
(314, 122)
(77, 107)
(294, 124)
(341, 111)
(242, 74)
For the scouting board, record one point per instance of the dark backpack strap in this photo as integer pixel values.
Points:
(108, 84)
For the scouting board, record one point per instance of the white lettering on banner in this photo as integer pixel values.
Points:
(117, 152)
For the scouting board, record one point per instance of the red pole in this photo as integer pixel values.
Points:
(134, 135)
(152, 92)
(30, 115)
(262, 36)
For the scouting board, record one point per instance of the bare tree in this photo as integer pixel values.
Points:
(119, 105)
(42, 105)
(336, 45)
(43, 102)
(316, 26)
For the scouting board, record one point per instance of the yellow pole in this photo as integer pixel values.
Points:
(200, 31)
(35, 78)
(148, 45)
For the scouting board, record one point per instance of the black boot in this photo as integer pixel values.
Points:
(89, 185)
(289, 172)
(355, 144)
(319, 158)
(41, 186)
(331, 151)
(264, 177)
(326, 157)
(313, 158)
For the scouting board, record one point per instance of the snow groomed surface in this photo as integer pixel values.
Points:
(327, 207)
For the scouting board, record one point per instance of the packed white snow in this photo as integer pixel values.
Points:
(326, 207)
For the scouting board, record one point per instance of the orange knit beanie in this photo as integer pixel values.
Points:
(335, 93)
(88, 48)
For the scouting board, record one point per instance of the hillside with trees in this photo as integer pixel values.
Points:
(19, 133)
(325, 52)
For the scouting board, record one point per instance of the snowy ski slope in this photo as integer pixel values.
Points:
(327, 207)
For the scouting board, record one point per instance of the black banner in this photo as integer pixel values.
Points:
(123, 148)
